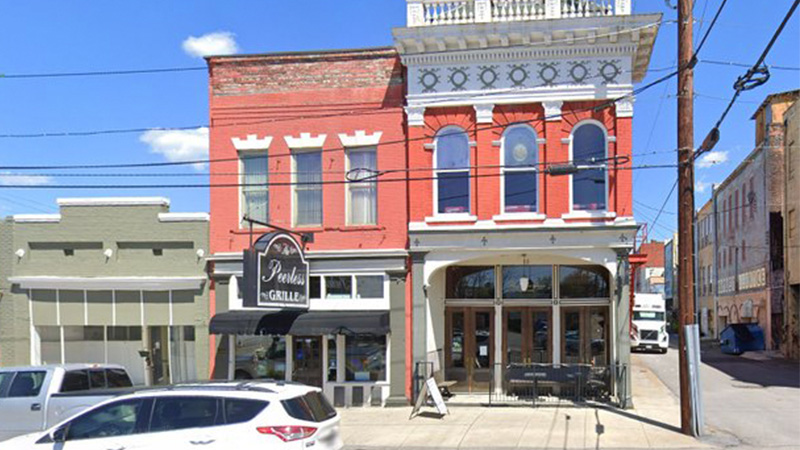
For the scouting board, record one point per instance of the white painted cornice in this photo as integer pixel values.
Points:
(306, 140)
(37, 218)
(114, 201)
(252, 142)
(184, 217)
(108, 283)
(360, 139)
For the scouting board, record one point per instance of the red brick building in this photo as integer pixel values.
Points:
(501, 219)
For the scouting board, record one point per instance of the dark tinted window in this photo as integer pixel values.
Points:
(5, 380)
(238, 410)
(527, 282)
(584, 282)
(465, 282)
(75, 380)
(97, 379)
(115, 419)
(26, 384)
(118, 378)
(312, 407)
(178, 413)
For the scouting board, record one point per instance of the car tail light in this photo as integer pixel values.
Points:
(289, 433)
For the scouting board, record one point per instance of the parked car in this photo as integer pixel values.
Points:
(212, 416)
(35, 398)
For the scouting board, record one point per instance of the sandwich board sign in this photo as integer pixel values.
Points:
(430, 391)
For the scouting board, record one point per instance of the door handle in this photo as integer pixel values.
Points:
(118, 448)
(210, 441)
(36, 407)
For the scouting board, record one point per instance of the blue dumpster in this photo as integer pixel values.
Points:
(738, 338)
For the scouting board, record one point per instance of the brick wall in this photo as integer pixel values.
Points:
(327, 93)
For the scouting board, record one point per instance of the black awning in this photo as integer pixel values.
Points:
(341, 322)
(251, 322)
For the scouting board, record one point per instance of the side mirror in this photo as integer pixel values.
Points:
(60, 435)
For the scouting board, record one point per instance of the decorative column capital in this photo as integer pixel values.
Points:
(552, 110)
(484, 113)
(415, 116)
(625, 107)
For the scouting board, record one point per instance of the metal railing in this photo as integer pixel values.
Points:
(539, 383)
(421, 13)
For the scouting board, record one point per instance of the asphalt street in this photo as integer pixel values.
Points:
(750, 401)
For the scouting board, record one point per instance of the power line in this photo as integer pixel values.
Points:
(664, 205)
(738, 64)
(756, 75)
(644, 205)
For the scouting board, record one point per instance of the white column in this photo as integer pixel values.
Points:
(415, 14)
(35, 341)
(622, 8)
(556, 332)
(340, 358)
(552, 9)
(113, 308)
(483, 11)
(498, 342)
(231, 356)
(63, 346)
(289, 358)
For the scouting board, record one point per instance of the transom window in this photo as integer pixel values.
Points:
(452, 171)
(255, 189)
(308, 188)
(520, 158)
(347, 287)
(363, 195)
(589, 185)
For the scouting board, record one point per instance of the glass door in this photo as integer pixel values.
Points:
(469, 356)
(585, 335)
(307, 364)
(527, 335)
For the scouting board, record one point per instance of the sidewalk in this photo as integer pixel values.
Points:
(652, 424)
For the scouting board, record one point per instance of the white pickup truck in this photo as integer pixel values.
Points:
(34, 398)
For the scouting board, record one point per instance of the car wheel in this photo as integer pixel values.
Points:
(663, 351)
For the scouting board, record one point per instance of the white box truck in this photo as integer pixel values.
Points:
(649, 323)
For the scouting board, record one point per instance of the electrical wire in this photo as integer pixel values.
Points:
(738, 64)
(664, 205)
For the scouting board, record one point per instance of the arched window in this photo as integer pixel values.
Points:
(520, 158)
(452, 171)
(589, 186)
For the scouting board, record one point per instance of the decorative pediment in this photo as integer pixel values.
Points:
(360, 139)
(306, 140)
(252, 142)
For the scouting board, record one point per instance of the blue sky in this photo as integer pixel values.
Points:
(82, 35)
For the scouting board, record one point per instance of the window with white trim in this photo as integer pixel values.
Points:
(336, 287)
(589, 186)
(520, 158)
(308, 188)
(362, 195)
(452, 171)
(255, 187)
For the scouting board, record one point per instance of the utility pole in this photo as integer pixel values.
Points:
(685, 199)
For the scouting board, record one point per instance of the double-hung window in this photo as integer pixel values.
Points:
(452, 171)
(362, 195)
(589, 190)
(255, 185)
(520, 157)
(308, 188)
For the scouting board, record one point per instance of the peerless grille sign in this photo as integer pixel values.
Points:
(276, 273)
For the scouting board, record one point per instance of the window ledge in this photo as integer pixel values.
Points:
(450, 218)
(518, 216)
(590, 215)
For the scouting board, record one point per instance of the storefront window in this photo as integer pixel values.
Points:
(261, 357)
(339, 287)
(541, 337)
(597, 336)
(527, 282)
(583, 282)
(470, 282)
(365, 358)
(572, 337)
(314, 287)
(514, 336)
(457, 342)
(369, 286)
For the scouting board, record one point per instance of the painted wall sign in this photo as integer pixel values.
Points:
(276, 273)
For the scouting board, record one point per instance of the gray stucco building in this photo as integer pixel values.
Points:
(107, 280)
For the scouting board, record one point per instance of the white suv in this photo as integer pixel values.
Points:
(213, 416)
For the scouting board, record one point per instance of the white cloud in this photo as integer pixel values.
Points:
(701, 186)
(712, 158)
(211, 44)
(179, 145)
(9, 179)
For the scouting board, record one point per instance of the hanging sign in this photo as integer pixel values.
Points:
(276, 273)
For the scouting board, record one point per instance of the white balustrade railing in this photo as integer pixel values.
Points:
(441, 12)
